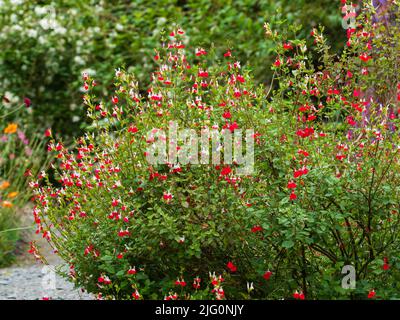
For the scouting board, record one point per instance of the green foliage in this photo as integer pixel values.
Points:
(8, 237)
(22, 154)
(47, 45)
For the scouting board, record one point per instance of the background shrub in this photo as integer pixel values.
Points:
(46, 45)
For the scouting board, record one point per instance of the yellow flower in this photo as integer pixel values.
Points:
(11, 128)
(4, 185)
(12, 194)
(7, 204)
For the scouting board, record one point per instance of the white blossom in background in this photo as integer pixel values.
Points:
(16, 2)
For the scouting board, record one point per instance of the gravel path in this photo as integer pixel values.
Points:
(36, 282)
(31, 280)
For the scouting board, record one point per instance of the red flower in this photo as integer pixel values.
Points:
(228, 54)
(300, 172)
(293, 196)
(200, 52)
(299, 295)
(311, 117)
(132, 129)
(88, 250)
(167, 196)
(27, 102)
(304, 153)
(227, 115)
(28, 173)
(123, 233)
(291, 185)
(179, 45)
(340, 157)
(104, 279)
(287, 46)
(371, 294)
(277, 63)
(240, 78)
(225, 171)
(203, 74)
(267, 275)
(386, 265)
(304, 133)
(365, 57)
(351, 121)
(196, 283)
(231, 267)
(47, 133)
(136, 295)
(180, 282)
(233, 126)
(115, 202)
(256, 228)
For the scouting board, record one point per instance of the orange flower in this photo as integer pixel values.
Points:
(12, 194)
(11, 128)
(7, 204)
(4, 185)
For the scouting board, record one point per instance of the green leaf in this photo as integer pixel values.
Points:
(287, 244)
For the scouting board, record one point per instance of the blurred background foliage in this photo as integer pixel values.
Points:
(46, 45)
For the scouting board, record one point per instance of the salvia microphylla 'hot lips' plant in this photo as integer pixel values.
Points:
(323, 194)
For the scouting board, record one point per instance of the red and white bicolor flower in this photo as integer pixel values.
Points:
(167, 196)
(132, 271)
(200, 52)
(104, 280)
(299, 295)
(136, 295)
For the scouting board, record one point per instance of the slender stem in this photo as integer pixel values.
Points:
(15, 110)
(16, 229)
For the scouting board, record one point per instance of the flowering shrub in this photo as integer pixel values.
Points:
(21, 153)
(324, 194)
(336, 145)
(47, 44)
(147, 229)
